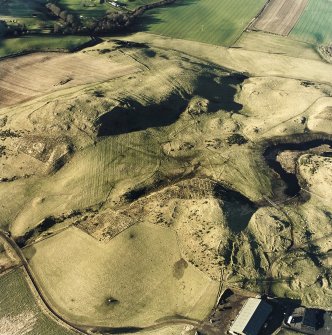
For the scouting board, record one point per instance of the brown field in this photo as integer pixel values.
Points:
(280, 16)
(22, 78)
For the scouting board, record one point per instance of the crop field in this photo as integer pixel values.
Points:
(209, 21)
(30, 12)
(12, 46)
(72, 69)
(21, 315)
(314, 25)
(135, 279)
(279, 17)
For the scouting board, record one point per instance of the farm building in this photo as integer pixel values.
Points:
(251, 318)
(310, 321)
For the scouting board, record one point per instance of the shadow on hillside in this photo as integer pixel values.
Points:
(237, 208)
(133, 116)
(220, 91)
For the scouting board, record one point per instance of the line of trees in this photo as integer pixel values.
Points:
(15, 29)
(111, 22)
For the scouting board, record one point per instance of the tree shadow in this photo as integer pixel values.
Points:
(149, 18)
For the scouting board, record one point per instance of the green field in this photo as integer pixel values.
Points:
(32, 13)
(12, 46)
(19, 313)
(314, 25)
(87, 8)
(209, 21)
(132, 4)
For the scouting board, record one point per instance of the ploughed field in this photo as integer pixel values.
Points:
(303, 20)
(280, 16)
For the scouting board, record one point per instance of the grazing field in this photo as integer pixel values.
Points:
(132, 4)
(19, 312)
(90, 177)
(314, 25)
(32, 13)
(253, 62)
(280, 16)
(209, 21)
(135, 279)
(86, 8)
(14, 46)
(274, 44)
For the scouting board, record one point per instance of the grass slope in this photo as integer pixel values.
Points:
(141, 270)
(314, 25)
(274, 44)
(209, 21)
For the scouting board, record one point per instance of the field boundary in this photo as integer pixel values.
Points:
(91, 43)
(279, 16)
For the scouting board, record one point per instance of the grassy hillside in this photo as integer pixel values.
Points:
(135, 279)
(137, 140)
(274, 44)
(314, 25)
(209, 21)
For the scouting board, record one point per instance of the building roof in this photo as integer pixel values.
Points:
(251, 317)
(310, 318)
